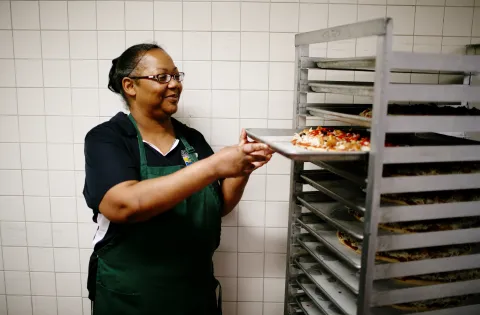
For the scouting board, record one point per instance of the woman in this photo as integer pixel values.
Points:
(158, 193)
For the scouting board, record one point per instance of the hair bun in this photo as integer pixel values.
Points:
(112, 77)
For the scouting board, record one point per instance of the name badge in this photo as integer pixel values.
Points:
(186, 158)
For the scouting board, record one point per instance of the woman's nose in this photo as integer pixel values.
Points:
(174, 83)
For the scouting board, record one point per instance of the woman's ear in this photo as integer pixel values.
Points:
(129, 87)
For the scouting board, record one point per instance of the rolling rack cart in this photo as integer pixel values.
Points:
(323, 275)
(474, 80)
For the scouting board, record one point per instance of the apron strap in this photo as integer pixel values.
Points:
(193, 158)
(190, 150)
(143, 157)
(141, 148)
(219, 300)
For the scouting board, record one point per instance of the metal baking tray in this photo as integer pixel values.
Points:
(280, 141)
(404, 184)
(320, 300)
(334, 290)
(357, 63)
(428, 266)
(352, 196)
(332, 212)
(400, 123)
(347, 275)
(327, 235)
(433, 123)
(337, 188)
(346, 301)
(368, 63)
(349, 114)
(430, 147)
(425, 139)
(327, 293)
(392, 242)
(308, 306)
(342, 87)
(355, 171)
(458, 152)
(294, 308)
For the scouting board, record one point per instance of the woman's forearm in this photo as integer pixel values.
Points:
(136, 201)
(233, 189)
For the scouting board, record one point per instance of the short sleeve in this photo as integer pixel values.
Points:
(108, 162)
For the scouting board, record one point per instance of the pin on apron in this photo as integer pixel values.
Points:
(164, 265)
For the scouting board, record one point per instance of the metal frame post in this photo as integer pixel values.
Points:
(375, 167)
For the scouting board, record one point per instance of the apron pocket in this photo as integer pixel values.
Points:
(109, 301)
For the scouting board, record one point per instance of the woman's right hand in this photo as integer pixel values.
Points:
(238, 160)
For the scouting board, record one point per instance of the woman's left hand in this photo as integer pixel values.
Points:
(268, 152)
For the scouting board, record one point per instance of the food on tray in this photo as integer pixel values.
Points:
(392, 170)
(443, 277)
(329, 139)
(425, 253)
(448, 224)
(431, 305)
(408, 254)
(431, 197)
(420, 254)
(428, 279)
(425, 109)
(366, 113)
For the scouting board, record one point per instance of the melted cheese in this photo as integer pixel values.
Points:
(335, 140)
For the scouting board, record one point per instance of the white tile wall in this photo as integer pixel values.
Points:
(238, 57)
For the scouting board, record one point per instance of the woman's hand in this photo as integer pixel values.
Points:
(240, 160)
(267, 152)
(254, 155)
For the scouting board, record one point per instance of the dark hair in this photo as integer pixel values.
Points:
(124, 65)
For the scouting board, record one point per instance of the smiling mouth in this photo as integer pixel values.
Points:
(172, 97)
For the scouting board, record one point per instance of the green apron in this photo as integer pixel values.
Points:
(164, 265)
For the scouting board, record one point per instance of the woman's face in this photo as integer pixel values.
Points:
(158, 100)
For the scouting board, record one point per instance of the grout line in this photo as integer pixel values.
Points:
(211, 72)
(199, 31)
(187, 119)
(21, 172)
(324, 96)
(266, 175)
(236, 209)
(43, 91)
(473, 20)
(73, 149)
(197, 60)
(355, 51)
(47, 166)
(443, 37)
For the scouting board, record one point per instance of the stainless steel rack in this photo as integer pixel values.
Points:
(323, 275)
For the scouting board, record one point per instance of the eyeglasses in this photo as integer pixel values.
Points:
(163, 78)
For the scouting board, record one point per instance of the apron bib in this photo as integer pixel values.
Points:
(164, 265)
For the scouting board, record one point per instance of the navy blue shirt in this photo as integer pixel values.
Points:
(112, 157)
